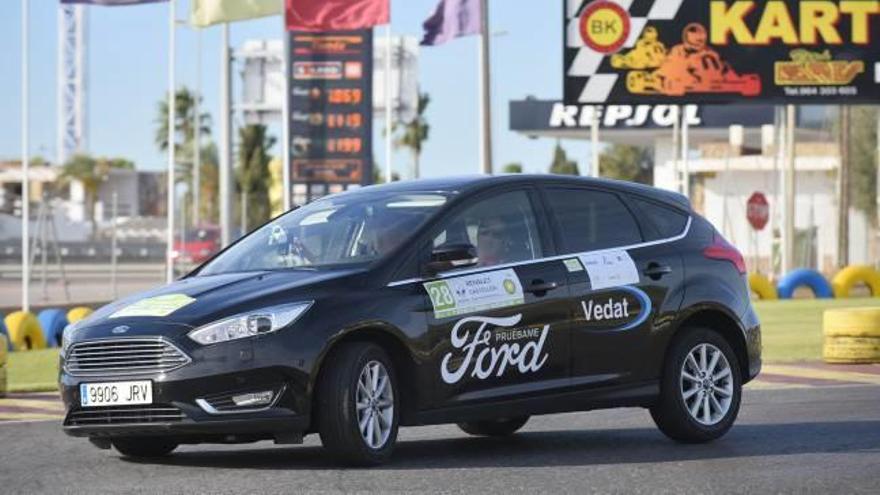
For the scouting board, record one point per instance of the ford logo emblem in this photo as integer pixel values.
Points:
(120, 329)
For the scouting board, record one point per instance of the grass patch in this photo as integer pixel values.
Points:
(792, 329)
(33, 371)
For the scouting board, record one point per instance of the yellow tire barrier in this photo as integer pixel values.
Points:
(78, 313)
(846, 279)
(24, 331)
(851, 350)
(852, 322)
(852, 336)
(761, 285)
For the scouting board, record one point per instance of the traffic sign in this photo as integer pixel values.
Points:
(758, 210)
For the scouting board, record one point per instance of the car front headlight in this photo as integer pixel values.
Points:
(250, 324)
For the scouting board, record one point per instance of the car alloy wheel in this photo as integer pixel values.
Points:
(706, 384)
(374, 401)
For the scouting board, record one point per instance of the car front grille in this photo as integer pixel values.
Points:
(124, 415)
(131, 356)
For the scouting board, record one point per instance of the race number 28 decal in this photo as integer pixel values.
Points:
(471, 293)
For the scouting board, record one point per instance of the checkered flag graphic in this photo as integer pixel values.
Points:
(586, 64)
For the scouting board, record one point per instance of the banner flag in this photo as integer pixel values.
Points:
(452, 19)
(110, 3)
(334, 15)
(204, 13)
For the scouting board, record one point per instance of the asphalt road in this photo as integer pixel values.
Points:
(820, 440)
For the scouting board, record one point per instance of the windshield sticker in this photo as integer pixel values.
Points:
(573, 265)
(155, 306)
(277, 235)
(471, 293)
(622, 309)
(484, 346)
(610, 269)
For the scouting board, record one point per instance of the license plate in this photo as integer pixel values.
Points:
(116, 393)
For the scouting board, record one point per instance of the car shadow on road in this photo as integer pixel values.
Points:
(564, 448)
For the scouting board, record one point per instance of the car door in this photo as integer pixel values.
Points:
(620, 284)
(500, 328)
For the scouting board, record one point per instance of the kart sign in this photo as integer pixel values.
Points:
(721, 51)
(758, 211)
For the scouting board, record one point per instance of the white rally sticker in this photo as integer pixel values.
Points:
(610, 269)
(470, 293)
(155, 306)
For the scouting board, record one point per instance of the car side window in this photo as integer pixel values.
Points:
(502, 228)
(589, 220)
(668, 222)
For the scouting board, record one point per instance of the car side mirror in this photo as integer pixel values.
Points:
(452, 256)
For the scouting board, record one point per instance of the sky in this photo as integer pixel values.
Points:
(128, 76)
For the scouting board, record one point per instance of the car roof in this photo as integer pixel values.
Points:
(474, 183)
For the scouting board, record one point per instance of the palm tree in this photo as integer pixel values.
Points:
(91, 172)
(415, 133)
(253, 172)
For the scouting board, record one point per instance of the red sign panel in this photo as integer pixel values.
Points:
(758, 210)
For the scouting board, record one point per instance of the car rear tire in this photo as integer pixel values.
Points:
(357, 404)
(701, 388)
(144, 447)
(494, 427)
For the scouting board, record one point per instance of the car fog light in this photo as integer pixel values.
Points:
(253, 399)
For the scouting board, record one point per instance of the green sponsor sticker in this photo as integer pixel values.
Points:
(155, 306)
(441, 296)
(573, 265)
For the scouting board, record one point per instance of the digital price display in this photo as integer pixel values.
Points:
(331, 107)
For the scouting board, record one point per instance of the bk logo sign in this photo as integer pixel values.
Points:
(604, 26)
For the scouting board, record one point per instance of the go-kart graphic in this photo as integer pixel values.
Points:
(648, 53)
(692, 67)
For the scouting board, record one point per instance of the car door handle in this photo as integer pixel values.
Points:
(539, 287)
(655, 271)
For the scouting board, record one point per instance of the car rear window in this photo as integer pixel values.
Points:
(666, 221)
(589, 220)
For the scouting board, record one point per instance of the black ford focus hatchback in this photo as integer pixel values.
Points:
(477, 301)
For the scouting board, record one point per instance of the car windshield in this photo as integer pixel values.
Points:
(349, 229)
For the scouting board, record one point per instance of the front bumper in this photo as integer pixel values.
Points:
(179, 398)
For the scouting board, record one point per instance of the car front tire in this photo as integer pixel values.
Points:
(495, 427)
(144, 447)
(357, 404)
(701, 388)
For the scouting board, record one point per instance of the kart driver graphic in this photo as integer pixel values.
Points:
(689, 67)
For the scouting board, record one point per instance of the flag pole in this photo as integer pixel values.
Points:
(225, 136)
(197, 151)
(485, 91)
(594, 142)
(172, 104)
(388, 106)
(25, 162)
(286, 186)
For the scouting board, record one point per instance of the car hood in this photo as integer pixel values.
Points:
(204, 299)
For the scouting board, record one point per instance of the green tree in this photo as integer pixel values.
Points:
(513, 168)
(630, 163)
(561, 165)
(185, 127)
(379, 177)
(863, 160)
(253, 172)
(415, 133)
(91, 173)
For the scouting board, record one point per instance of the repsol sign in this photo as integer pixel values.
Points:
(622, 308)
